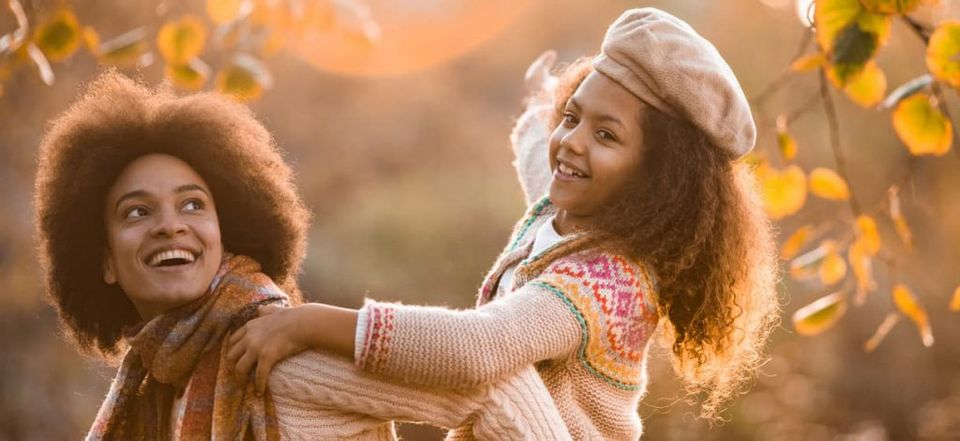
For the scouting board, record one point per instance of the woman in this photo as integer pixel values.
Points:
(164, 222)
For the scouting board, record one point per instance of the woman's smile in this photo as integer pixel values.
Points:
(163, 232)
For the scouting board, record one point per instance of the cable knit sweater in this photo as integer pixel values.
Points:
(320, 396)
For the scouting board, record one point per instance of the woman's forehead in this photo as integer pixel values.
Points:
(156, 174)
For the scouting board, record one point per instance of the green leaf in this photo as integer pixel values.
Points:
(852, 49)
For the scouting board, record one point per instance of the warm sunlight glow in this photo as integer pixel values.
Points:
(409, 35)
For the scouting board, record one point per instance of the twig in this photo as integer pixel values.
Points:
(831, 114)
(922, 31)
(786, 75)
(942, 104)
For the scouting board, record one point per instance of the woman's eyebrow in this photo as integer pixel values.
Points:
(130, 195)
(143, 193)
(191, 187)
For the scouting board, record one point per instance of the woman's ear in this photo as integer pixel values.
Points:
(109, 274)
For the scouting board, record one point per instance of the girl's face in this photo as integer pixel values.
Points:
(596, 147)
(163, 235)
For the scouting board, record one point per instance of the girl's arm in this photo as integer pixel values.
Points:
(531, 132)
(317, 393)
(425, 345)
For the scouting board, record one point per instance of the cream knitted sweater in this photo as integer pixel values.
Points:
(319, 396)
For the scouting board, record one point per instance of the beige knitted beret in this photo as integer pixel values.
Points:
(664, 62)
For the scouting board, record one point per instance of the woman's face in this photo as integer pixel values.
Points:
(596, 147)
(163, 235)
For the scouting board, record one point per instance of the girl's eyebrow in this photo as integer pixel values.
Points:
(603, 117)
(142, 193)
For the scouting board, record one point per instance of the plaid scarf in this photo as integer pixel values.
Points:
(182, 352)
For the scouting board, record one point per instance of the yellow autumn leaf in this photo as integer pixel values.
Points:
(796, 241)
(942, 52)
(888, 323)
(784, 191)
(191, 75)
(809, 263)
(867, 88)
(893, 6)
(868, 235)
(59, 37)
(833, 269)
(862, 268)
(788, 145)
(899, 222)
(181, 40)
(245, 79)
(955, 301)
(126, 50)
(827, 184)
(807, 63)
(922, 126)
(820, 315)
(224, 11)
(849, 35)
(907, 304)
(91, 39)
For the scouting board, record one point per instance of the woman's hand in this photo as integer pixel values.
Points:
(277, 333)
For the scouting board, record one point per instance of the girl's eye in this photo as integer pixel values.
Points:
(193, 205)
(135, 212)
(606, 135)
(570, 118)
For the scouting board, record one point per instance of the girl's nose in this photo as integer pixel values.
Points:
(574, 141)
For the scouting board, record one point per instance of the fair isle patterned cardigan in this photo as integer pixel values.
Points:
(583, 316)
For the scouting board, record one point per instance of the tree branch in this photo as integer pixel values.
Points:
(831, 114)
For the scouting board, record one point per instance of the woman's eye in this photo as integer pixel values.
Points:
(193, 205)
(135, 212)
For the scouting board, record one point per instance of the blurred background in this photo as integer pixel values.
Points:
(398, 132)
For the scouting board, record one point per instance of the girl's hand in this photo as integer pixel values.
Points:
(538, 77)
(277, 333)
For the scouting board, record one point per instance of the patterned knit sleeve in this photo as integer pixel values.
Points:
(463, 348)
(530, 141)
(614, 301)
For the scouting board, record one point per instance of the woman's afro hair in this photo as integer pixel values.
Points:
(118, 120)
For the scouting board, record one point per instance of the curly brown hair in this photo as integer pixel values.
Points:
(695, 216)
(118, 120)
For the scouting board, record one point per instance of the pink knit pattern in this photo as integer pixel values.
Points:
(612, 297)
(379, 328)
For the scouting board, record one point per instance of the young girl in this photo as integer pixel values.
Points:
(649, 219)
(164, 222)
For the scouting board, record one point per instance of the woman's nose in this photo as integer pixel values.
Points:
(168, 224)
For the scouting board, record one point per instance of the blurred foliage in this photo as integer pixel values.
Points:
(244, 32)
(849, 35)
(396, 115)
